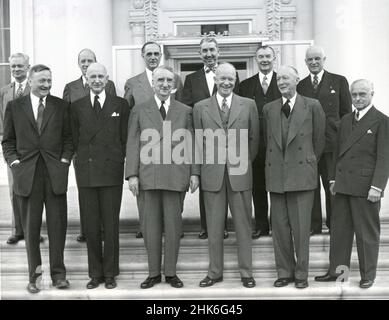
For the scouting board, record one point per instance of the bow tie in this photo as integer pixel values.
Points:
(208, 69)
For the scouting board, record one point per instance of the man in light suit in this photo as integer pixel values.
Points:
(37, 145)
(224, 180)
(262, 87)
(76, 90)
(159, 185)
(139, 89)
(357, 181)
(332, 91)
(294, 128)
(198, 86)
(99, 127)
(19, 64)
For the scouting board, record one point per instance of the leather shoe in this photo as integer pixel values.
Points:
(225, 234)
(32, 288)
(81, 238)
(139, 235)
(207, 281)
(326, 278)
(365, 284)
(282, 282)
(94, 283)
(301, 284)
(174, 281)
(248, 282)
(203, 234)
(150, 282)
(110, 283)
(61, 283)
(14, 239)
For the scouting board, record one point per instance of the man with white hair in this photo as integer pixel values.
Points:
(99, 127)
(294, 137)
(357, 181)
(332, 90)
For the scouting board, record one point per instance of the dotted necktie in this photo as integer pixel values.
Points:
(224, 105)
(315, 82)
(286, 108)
(19, 92)
(162, 110)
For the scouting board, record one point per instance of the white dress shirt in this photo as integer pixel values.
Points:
(166, 105)
(149, 75)
(319, 76)
(101, 95)
(363, 112)
(35, 104)
(17, 85)
(210, 77)
(220, 100)
(268, 76)
(291, 103)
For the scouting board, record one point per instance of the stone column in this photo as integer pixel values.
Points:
(287, 33)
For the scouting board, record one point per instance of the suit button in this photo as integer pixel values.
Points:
(301, 134)
(90, 160)
(269, 164)
(350, 171)
(340, 170)
(270, 150)
(301, 162)
(300, 148)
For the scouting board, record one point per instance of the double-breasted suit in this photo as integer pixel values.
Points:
(7, 94)
(361, 161)
(162, 185)
(252, 88)
(100, 144)
(40, 178)
(334, 96)
(293, 148)
(225, 182)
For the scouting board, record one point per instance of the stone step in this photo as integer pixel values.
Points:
(15, 288)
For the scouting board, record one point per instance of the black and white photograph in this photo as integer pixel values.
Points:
(186, 151)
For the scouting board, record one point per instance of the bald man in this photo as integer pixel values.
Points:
(332, 91)
(76, 90)
(294, 132)
(99, 128)
(357, 181)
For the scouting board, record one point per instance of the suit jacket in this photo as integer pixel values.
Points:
(252, 88)
(334, 97)
(139, 90)
(362, 154)
(100, 143)
(196, 88)
(243, 115)
(7, 94)
(154, 176)
(22, 141)
(75, 90)
(294, 169)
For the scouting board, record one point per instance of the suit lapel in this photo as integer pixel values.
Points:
(80, 88)
(27, 107)
(213, 110)
(10, 92)
(359, 131)
(235, 109)
(275, 120)
(145, 84)
(153, 113)
(324, 86)
(298, 115)
(173, 112)
(203, 82)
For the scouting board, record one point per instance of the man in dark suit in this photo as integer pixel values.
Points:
(99, 128)
(357, 181)
(19, 64)
(76, 90)
(139, 89)
(159, 185)
(37, 145)
(263, 88)
(225, 181)
(198, 86)
(332, 91)
(294, 129)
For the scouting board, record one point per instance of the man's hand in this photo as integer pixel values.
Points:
(374, 195)
(15, 163)
(194, 183)
(133, 184)
(63, 160)
(332, 188)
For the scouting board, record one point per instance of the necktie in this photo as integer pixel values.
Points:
(315, 82)
(162, 110)
(97, 106)
(286, 108)
(357, 115)
(19, 92)
(39, 117)
(265, 86)
(224, 105)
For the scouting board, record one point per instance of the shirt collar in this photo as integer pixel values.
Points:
(166, 104)
(363, 112)
(269, 76)
(83, 80)
(101, 95)
(149, 75)
(319, 76)
(220, 100)
(23, 83)
(292, 101)
(35, 99)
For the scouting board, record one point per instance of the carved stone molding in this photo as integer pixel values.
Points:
(151, 19)
(273, 8)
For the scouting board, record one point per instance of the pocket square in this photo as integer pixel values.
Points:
(115, 114)
(369, 131)
(333, 91)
